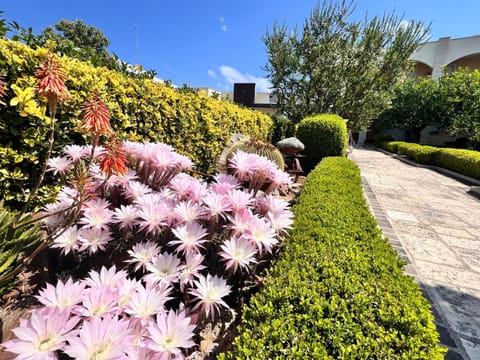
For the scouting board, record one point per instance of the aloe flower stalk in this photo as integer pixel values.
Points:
(96, 118)
(3, 86)
(113, 159)
(52, 83)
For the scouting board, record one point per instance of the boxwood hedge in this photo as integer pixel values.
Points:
(466, 162)
(338, 290)
(420, 153)
(323, 135)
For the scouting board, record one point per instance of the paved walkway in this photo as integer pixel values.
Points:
(434, 224)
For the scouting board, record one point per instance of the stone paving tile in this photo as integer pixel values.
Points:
(430, 250)
(447, 274)
(458, 242)
(471, 258)
(453, 355)
(401, 215)
(472, 348)
(434, 221)
(453, 232)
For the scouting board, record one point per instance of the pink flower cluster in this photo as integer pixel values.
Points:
(189, 244)
(105, 316)
(258, 173)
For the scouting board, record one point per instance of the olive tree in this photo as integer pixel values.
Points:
(339, 65)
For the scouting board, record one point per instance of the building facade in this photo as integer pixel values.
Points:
(435, 58)
(446, 54)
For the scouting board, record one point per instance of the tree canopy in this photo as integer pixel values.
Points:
(461, 94)
(339, 65)
(81, 40)
(78, 40)
(452, 104)
(417, 103)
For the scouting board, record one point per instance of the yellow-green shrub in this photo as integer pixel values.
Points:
(194, 124)
(466, 162)
(338, 290)
(323, 135)
(392, 146)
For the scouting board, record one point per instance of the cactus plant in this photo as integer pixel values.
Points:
(259, 147)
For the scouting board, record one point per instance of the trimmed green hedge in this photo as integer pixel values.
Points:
(323, 135)
(419, 153)
(338, 291)
(466, 162)
(392, 146)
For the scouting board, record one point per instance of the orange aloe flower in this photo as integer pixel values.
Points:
(113, 159)
(52, 82)
(96, 118)
(2, 87)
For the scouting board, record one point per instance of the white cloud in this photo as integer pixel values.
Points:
(212, 73)
(224, 25)
(232, 75)
(405, 24)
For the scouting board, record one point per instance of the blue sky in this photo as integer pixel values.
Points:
(214, 43)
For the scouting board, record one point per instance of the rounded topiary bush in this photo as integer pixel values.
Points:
(323, 135)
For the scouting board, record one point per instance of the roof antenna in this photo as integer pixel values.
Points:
(137, 60)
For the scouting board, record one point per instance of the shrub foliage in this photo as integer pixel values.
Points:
(323, 135)
(466, 162)
(338, 291)
(142, 110)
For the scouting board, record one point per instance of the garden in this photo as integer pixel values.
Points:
(123, 236)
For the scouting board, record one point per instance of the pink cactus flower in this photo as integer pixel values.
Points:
(152, 218)
(94, 240)
(240, 222)
(163, 268)
(100, 338)
(59, 165)
(191, 270)
(98, 302)
(280, 221)
(261, 233)
(145, 303)
(68, 241)
(126, 216)
(209, 291)
(106, 278)
(40, 337)
(188, 212)
(239, 199)
(142, 254)
(238, 253)
(224, 183)
(215, 205)
(170, 334)
(63, 295)
(190, 238)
